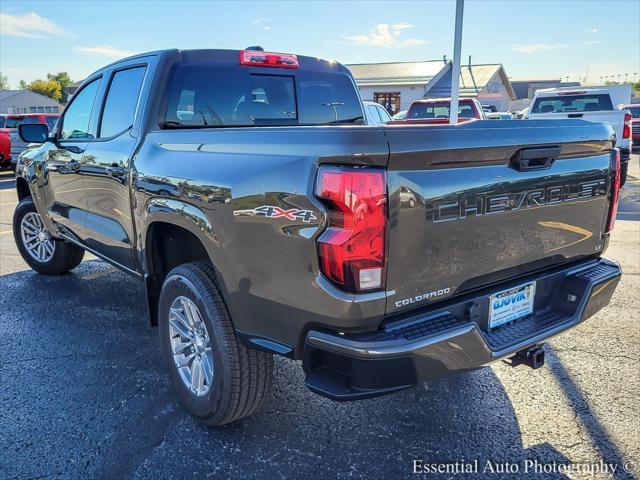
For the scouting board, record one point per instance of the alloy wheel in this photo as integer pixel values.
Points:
(191, 346)
(35, 238)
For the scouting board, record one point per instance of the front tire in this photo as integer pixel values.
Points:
(43, 253)
(217, 378)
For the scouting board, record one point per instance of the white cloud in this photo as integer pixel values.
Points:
(537, 47)
(263, 23)
(593, 30)
(104, 51)
(594, 42)
(385, 35)
(29, 25)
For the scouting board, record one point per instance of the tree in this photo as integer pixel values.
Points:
(636, 88)
(23, 85)
(4, 82)
(48, 88)
(64, 80)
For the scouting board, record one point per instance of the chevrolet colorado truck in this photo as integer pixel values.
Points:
(265, 217)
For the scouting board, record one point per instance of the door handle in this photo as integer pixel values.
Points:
(536, 158)
(115, 170)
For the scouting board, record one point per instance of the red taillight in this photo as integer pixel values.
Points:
(626, 131)
(257, 58)
(615, 192)
(352, 250)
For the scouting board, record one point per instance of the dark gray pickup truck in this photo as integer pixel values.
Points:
(265, 217)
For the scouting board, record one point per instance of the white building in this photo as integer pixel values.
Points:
(396, 85)
(26, 101)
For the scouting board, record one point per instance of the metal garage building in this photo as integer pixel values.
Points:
(26, 101)
(396, 85)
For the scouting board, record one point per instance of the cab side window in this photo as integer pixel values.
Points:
(77, 117)
(122, 100)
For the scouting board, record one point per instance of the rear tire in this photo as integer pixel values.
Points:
(239, 379)
(42, 253)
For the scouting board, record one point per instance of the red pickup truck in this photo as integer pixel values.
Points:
(435, 111)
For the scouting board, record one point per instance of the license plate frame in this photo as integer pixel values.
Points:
(509, 305)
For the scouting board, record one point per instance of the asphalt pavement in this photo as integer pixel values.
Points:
(84, 394)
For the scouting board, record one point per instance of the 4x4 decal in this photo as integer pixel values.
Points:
(290, 214)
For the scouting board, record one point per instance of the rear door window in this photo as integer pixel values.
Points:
(122, 100)
(572, 103)
(209, 95)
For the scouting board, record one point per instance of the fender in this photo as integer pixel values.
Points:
(180, 214)
(32, 169)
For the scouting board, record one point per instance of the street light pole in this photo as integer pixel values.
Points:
(455, 67)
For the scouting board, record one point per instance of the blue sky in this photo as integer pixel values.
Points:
(533, 39)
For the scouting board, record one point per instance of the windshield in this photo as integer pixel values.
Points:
(209, 95)
(572, 103)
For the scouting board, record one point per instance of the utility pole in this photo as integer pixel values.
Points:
(455, 67)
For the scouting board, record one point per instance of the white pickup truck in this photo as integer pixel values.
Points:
(594, 105)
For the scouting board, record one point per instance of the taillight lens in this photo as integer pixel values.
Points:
(352, 250)
(256, 58)
(615, 192)
(626, 131)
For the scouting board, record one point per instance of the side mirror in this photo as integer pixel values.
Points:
(34, 132)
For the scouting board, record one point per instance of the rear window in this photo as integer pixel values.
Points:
(205, 95)
(439, 110)
(635, 111)
(3, 121)
(13, 122)
(572, 103)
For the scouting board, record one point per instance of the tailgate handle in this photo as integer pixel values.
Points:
(575, 115)
(534, 158)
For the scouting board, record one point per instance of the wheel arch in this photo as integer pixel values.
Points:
(174, 233)
(22, 188)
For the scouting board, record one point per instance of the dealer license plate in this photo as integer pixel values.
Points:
(510, 305)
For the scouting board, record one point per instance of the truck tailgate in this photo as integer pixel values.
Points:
(465, 212)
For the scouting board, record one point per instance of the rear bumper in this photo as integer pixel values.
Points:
(453, 338)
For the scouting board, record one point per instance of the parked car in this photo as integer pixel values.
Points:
(435, 111)
(634, 110)
(378, 256)
(499, 116)
(594, 105)
(375, 113)
(489, 108)
(522, 113)
(5, 149)
(14, 121)
(400, 115)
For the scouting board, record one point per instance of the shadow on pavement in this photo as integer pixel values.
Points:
(83, 393)
(629, 206)
(598, 434)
